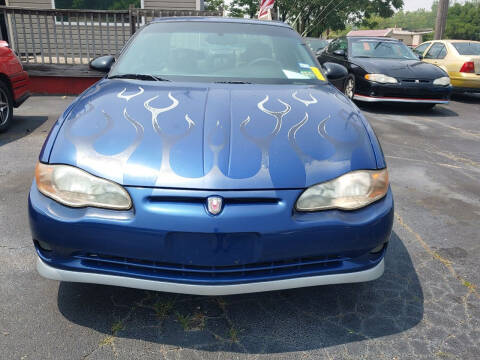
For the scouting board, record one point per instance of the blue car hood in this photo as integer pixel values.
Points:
(215, 136)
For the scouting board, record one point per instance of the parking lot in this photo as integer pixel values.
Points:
(426, 306)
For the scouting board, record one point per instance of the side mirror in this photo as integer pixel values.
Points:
(102, 63)
(335, 71)
(340, 53)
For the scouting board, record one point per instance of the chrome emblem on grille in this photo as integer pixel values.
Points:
(214, 204)
(417, 81)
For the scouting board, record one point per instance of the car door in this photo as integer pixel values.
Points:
(327, 54)
(331, 55)
(436, 54)
(339, 52)
(420, 49)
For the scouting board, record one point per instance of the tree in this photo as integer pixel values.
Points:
(313, 17)
(215, 5)
(410, 20)
(463, 21)
(240, 8)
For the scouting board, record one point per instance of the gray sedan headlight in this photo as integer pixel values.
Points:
(74, 187)
(381, 78)
(443, 81)
(351, 191)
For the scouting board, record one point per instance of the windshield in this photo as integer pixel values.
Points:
(374, 48)
(316, 44)
(467, 48)
(219, 52)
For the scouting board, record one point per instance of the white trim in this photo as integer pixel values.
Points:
(50, 272)
(401, 100)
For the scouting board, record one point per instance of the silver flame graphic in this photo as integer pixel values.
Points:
(121, 95)
(157, 111)
(312, 100)
(264, 142)
(89, 158)
(168, 140)
(117, 165)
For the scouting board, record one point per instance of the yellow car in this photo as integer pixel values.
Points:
(459, 58)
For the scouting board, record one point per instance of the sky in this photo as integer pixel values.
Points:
(410, 5)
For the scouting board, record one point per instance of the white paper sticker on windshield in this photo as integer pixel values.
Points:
(294, 75)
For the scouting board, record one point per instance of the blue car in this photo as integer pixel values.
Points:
(214, 158)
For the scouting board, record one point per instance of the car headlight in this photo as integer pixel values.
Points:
(74, 187)
(381, 78)
(443, 81)
(351, 191)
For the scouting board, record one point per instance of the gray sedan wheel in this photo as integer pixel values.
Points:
(6, 107)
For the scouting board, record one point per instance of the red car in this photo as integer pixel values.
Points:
(13, 84)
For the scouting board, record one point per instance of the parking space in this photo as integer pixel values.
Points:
(427, 304)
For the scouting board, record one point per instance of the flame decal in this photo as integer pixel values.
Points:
(157, 111)
(168, 140)
(264, 142)
(121, 95)
(292, 135)
(89, 158)
(312, 100)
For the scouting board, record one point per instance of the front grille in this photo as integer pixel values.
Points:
(193, 273)
(416, 81)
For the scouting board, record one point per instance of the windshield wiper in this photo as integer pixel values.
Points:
(138, 77)
(232, 82)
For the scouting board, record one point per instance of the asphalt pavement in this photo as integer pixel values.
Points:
(426, 305)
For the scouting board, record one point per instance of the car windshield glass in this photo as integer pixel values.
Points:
(374, 48)
(219, 52)
(467, 48)
(316, 44)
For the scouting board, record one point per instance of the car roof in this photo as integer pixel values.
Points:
(380, 38)
(220, 19)
(453, 40)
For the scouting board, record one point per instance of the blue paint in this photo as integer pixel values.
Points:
(174, 144)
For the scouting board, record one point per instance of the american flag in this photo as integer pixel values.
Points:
(265, 5)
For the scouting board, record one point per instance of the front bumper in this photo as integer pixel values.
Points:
(53, 273)
(403, 92)
(173, 245)
(20, 83)
(365, 98)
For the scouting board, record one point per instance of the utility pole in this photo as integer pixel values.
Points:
(441, 22)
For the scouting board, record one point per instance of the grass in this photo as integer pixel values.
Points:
(191, 322)
(183, 320)
(163, 309)
(233, 333)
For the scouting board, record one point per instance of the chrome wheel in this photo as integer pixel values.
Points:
(350, 88)
(4, 107)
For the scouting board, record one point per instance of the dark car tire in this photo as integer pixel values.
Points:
(6, 107)
(349, 88)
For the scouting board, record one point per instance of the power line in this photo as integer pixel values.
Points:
(318, 21)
